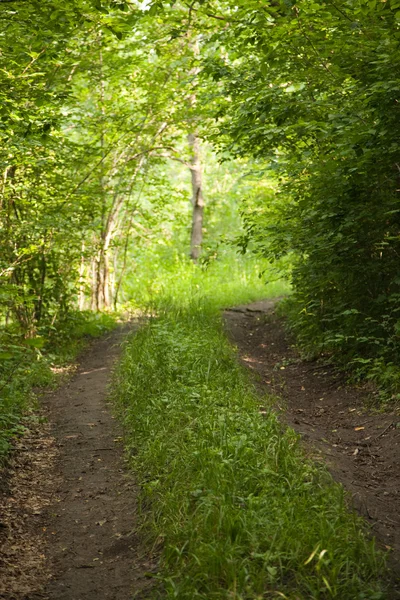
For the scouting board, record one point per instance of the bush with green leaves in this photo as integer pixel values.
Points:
(312, 89)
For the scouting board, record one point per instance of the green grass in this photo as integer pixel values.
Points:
(241, 512)
(230, 279)
(28, 364)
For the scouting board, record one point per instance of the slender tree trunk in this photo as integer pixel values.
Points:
(99, 282)
(113, 276)
(40, 296)
(101, 264)
(101, 279)
(197, 199)
(94, 301)
(106, 279)
(118, 282)
(81, 293)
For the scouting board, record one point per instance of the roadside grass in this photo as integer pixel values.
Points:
(38, 362)
(241, 512)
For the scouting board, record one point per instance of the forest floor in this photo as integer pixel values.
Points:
(69, 509)
(69, 505)
(360, 447)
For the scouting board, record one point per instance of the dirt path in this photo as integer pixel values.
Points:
(362, 450)
(91, 551)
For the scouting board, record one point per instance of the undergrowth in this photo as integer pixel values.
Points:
(242, 513)
(38, 362)
(349, 341)
(227, 278)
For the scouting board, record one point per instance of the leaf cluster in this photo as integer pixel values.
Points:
(312, 90)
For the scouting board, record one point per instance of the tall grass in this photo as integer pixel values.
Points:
(229, 279)
(241, 512)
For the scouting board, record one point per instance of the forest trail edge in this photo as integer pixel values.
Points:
(360, 448)
(91, 551)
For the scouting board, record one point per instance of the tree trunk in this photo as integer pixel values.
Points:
(38, 302)
(113, 276)
(197, 199)
(95, 297)
(81, 293)
(106, 279)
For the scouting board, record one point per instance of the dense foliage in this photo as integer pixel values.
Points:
(97, 101)
(112, 114)
(78, 124)
(312, 88)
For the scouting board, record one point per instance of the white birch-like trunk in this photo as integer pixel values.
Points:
(196, 238)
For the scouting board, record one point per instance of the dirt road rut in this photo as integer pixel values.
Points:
(92, 541)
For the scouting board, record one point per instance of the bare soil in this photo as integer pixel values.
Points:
(361, 449)
(80, 533)
(26, 490)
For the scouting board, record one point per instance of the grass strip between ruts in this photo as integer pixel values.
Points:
(243, 514)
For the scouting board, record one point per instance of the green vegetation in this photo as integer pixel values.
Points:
(299, 100)
(312, 89)
(240, 511)
(162, 156)
(232, 279)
